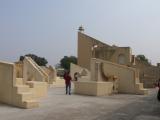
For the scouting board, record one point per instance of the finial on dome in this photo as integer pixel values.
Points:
(81, 29)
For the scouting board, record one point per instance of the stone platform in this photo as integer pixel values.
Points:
(58, 106)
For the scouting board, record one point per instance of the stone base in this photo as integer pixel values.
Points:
(93, 88)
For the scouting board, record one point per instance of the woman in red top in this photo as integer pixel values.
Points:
(67, 79)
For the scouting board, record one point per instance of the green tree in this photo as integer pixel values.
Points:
(41, 61)
(65, 61)
(142, 58)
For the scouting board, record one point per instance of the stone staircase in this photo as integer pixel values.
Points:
(24, 97)
(38, 67)
(19, 81)
(14, 91)
(139, 87)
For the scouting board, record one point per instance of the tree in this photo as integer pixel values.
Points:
(142, 58)
(65, 61)
(41, 61)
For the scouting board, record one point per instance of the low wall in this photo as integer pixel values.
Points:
(93, 88)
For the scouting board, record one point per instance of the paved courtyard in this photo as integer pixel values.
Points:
(58, 106)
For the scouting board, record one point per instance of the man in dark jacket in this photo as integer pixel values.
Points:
(67, 79)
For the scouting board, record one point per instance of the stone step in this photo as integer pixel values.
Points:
(19, 81)
(39, 89)
(137, 79)
(140, 89)
(30, 104)
(26, 96)
(139, 86)
(22, 88)
(60, 81)
(142, 92)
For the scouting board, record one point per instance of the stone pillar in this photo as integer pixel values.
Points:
(96, 71)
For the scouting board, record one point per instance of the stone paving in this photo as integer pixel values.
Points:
(58, 106)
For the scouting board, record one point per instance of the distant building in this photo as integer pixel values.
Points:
(60, 72)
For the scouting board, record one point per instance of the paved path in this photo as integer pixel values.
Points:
(58, 106)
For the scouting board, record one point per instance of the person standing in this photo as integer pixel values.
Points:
(158, 94)
(76, 75)
(68, 79)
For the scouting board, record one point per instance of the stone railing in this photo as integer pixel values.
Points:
(33, 72)
(39, 68)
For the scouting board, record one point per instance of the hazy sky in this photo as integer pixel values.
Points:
(48, 28)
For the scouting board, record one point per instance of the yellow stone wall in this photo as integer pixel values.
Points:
(19, 69)
(93, 88)
(148, 73)
(32, 72)
(7, 79)
(51, 72)
(126, 75)
(115, 54)
(86, 51)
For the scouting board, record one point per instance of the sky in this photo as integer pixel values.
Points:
(48, 28)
